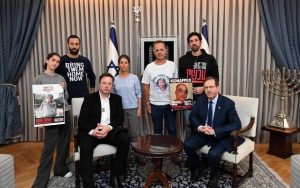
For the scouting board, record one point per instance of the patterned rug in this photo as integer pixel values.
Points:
(179, 176)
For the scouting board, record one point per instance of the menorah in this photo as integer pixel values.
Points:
(283, 83)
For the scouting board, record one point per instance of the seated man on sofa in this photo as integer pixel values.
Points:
(214, 117)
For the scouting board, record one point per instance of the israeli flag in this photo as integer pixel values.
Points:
(113, 55)
(204, 35)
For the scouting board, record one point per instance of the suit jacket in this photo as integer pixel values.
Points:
(225, 119)
(90, 113)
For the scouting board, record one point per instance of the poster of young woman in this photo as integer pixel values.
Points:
(48, 105)
(181, 90)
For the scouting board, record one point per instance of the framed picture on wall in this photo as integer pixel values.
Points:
(147, 55)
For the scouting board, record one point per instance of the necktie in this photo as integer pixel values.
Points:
(209, 114)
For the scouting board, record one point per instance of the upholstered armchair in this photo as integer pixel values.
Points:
(247, 109)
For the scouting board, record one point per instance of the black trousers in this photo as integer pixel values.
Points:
(87, 144)
(56, 136)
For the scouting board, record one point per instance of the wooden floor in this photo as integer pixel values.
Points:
(27, 154)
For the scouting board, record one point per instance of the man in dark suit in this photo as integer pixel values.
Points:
(214, 117)
(101, 121)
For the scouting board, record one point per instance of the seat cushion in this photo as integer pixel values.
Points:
(7, 175)
(243, 150)
(295, 171)
(100, 151)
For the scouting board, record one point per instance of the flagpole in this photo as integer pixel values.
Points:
(137, 10)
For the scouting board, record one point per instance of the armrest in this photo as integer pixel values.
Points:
(75, 132)
(237, 133)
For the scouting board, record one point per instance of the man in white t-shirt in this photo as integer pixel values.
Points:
(157, 89)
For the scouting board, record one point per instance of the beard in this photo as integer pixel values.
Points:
(195, 48)
(74, 51)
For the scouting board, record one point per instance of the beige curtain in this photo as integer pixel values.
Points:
(236, 39)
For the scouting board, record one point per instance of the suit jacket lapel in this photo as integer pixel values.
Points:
(98, 104)
(218, 109)
(205, 110)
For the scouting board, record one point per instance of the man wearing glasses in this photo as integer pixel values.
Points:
(213, 117)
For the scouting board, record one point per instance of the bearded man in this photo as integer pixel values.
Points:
(197, 65)
(76, 69)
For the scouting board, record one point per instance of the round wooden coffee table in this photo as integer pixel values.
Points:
(157, 147)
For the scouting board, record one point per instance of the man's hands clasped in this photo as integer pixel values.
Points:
(100, 131)
(206, 129)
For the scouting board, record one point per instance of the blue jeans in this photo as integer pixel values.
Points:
(158, 113)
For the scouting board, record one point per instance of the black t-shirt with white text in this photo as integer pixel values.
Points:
(75, 71)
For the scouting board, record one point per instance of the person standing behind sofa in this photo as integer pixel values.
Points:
(56, 136)
(128, 86)
(75, 68)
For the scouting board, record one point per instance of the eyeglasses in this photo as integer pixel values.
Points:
(209, 87)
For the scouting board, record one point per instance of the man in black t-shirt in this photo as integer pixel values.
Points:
(197, 65)
(75, 68)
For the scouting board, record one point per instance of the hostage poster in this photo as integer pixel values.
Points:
(48, 105)
(181, 91)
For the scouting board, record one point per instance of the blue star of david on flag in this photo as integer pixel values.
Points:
(112, 68)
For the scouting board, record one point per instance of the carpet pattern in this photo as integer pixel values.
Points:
(179, 176)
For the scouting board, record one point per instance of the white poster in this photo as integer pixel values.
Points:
(48, 105)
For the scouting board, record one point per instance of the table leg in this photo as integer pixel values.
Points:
(157, 174)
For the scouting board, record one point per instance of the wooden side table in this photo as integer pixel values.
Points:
(281, 141)
(157, 147)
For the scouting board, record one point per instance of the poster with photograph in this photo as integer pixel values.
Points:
(181, 91)
(48, 105)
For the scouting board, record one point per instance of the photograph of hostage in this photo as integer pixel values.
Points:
(161, 85)
(181, 93)
(48, 107)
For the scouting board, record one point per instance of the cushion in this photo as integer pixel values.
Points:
(243, 150)
(295, 171)
(76, 106)
(7, 175)
(246, 108)
(100, 151)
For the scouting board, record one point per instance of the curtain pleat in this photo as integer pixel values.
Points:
(236, 39)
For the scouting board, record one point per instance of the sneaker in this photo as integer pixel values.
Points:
(68, 175)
